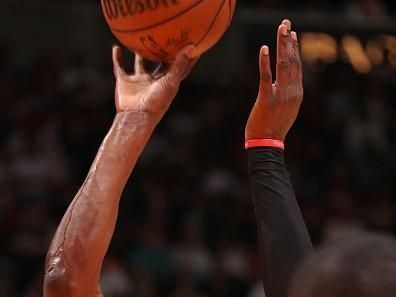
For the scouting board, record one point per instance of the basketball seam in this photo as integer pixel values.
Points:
(159, 23)
(212, 23)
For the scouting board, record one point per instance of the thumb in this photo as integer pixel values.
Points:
(182, 66)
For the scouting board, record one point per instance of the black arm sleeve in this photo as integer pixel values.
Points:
(282, 234)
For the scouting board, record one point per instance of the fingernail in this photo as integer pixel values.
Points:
(287, 23)
(284, 31)
(189, 51)
(265, 50)
(294, 35)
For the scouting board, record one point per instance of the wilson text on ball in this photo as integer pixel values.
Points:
(126, 8)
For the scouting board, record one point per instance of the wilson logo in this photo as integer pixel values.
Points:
(124, 8)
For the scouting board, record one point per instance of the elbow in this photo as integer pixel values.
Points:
(57, 280)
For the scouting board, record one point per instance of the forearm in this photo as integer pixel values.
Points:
(283, 238)
(83, 237)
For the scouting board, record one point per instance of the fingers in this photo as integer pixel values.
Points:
(265, 73)
(299, 75)
(295, 67)
(289, 66)
(182, 66)
(283, 55)
(296, 57)
(160, 71)
(118, 63)
(139, 65)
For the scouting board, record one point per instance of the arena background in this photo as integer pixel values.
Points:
(186, 226)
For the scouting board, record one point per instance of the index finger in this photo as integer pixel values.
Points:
(283, 61)
(299, 64)
(118, 64)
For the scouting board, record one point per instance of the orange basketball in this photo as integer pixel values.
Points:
(159, 29)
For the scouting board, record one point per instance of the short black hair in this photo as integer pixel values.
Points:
(362, 266)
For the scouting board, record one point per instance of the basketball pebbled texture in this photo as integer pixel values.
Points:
(159, 29)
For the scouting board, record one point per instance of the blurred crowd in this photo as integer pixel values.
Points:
(187, 225)
(353, 7)
(366, 7)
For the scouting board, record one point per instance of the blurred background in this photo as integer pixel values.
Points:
(187, 226)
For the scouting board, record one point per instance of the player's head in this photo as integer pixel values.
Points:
(363, 266)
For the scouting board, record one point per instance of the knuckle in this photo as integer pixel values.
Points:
(284, 63)
(170, 81)
(266, 76)
(294, 94)
(285, 39)
(282, 94)
(294, 59)
(301, 94)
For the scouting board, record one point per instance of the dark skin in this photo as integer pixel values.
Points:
(81, 241)
(277, 104)
(272, 116)
(76, 254)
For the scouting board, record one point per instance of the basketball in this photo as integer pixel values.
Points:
(158, 29)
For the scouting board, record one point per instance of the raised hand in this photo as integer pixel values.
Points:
(150, 93)
(278, 103)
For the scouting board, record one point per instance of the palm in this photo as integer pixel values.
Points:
(142, 92)
(139, 93)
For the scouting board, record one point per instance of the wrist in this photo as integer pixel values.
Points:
(138, 118)
(252, 132)
(265, 142)
(127, 137)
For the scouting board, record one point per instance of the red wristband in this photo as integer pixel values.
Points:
(264, 143)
